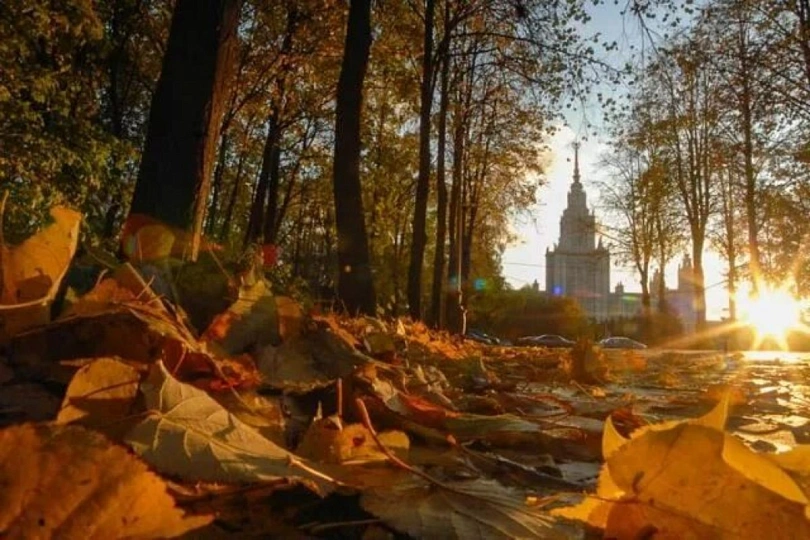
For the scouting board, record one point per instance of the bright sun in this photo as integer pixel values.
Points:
(772, 313)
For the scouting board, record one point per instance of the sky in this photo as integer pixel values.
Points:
(539, 228)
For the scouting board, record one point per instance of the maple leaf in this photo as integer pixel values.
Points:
(72, 483)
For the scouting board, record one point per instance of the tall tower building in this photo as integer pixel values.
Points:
(577, 266)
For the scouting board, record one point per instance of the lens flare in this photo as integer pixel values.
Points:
(772, 313)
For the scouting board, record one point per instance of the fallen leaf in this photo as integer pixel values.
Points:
(100, 395)
(71, 483)
(133, 331)
(252, 320)
(35, 268)
(468, 510)
(327, 440)
(689, 479)
(290, 318)
(104, 295)
(189, 435)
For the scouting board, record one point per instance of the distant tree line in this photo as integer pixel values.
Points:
(711, 148)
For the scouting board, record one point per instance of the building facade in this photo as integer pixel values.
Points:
(577, 266)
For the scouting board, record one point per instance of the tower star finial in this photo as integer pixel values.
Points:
(576, 162)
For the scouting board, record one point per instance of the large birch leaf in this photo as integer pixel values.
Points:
(189, 435)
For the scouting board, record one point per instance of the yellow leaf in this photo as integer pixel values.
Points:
(680, 470)
(34, 269)
(32, 272)
(100, 395)
(612, 440)
(67, 482)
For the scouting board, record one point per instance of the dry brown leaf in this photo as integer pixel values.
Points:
(104, 295)
(328, 441)
(468, 510)
(71, 483)
(189, 435)
(252, 320)
(100, 395)
(290, 317)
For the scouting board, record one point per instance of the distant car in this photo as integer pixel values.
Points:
(546, 340)
(482, 337)
(621, 342)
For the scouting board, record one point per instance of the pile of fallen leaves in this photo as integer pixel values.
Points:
(122, 419)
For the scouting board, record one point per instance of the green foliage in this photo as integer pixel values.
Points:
(53, 148)
(515, 313)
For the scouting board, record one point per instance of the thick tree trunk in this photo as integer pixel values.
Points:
(186, 111)
(437, 310)
(355, 286)
(423, 180)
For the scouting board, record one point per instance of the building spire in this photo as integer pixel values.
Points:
(576, 162)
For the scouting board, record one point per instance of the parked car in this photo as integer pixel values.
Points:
(621, 342)
(481, 337)
(545, 340)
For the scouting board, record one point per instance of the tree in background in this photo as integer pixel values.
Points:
(185, 115)
(355, 285)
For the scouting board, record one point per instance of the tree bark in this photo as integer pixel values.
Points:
(437, 312)
(259, 203)
(237, 181)
(186, 111)
(423, 180)
(219, 172)
(355, 286)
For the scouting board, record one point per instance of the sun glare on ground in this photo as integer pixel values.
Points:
(772, 313)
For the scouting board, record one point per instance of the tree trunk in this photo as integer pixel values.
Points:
(423, 181)
(437, 310)
(258, 205)
(219, 172)
(454, 298)
(748, 159)
(186, 111)
(237, 181)
(355, 286)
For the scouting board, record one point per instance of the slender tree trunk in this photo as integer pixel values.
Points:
(237, 182)
(423, 181)
(454, 298)
(258, 204)
(219, 172)
(748, 160)
(437, 298)
(186, 111)
(355, 286)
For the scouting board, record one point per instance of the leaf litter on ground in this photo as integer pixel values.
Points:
(492, 427)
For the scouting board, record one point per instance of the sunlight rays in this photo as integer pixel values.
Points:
(773, 313)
